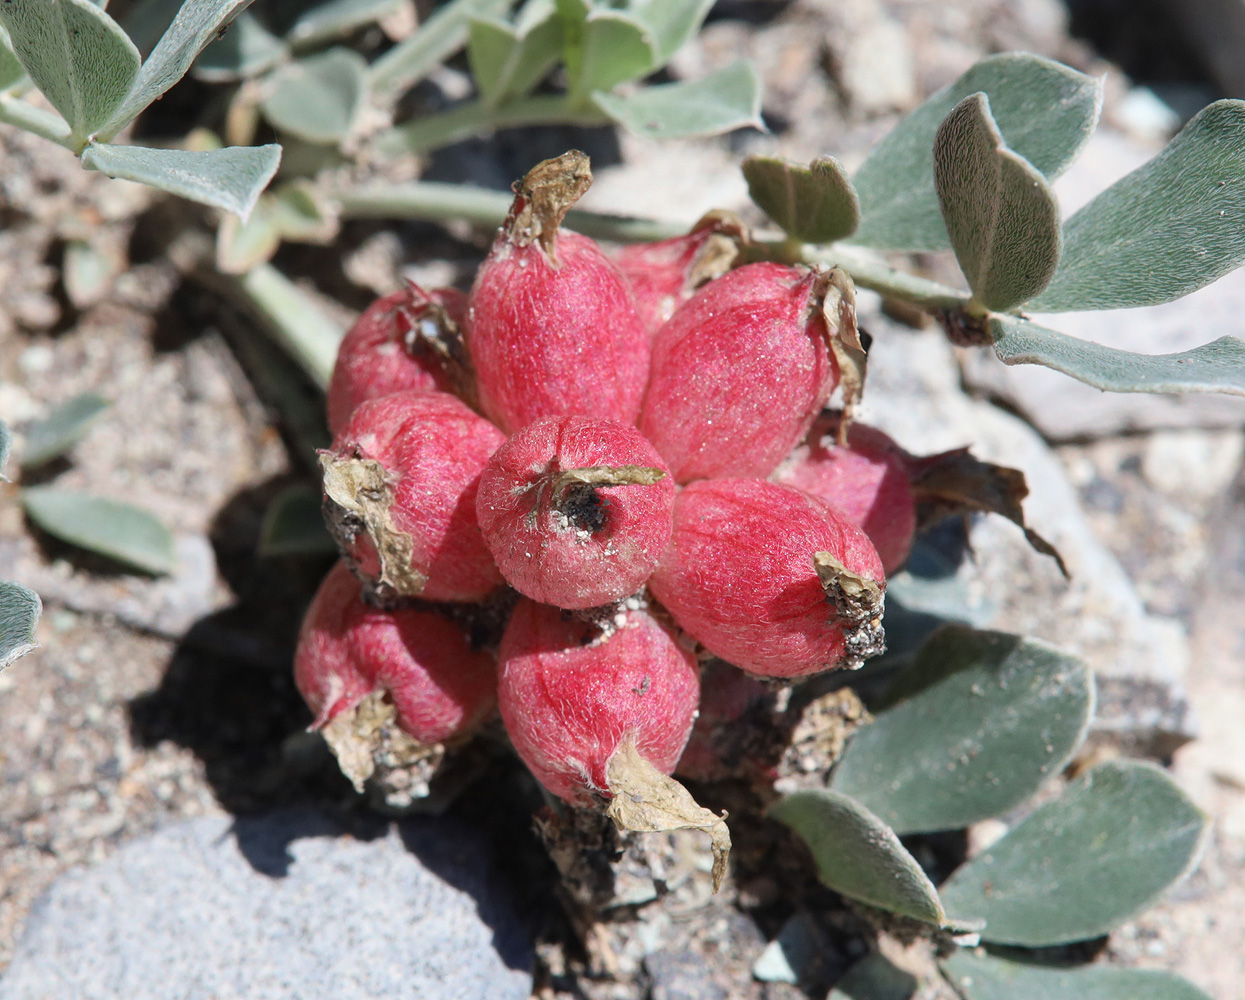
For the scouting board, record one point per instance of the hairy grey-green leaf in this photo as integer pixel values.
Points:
(1079, 866)
(11, 69)
(109, 528)
(616, 48)
(197, 23)
(1045, 110)
(507, 63)
(76, 54)
(1170, 227)
(1000, 214)
(230, 178)
(247, 49)
(813, 204)
(858, 855)
(971, 729)
(981, 975)
(318, 98)
(874, 978)
(294, 525)
(1215, 367)
(20, 608)
(491, 45)
(438, 38)
(61, 429)
(6, 445)
(242, 245)
(720, 102)
(673, 22)
(302, 214)
(335, 19)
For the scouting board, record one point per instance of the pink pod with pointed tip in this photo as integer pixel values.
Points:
(738, 575)
(441, 688)
(574, 544)
(569, 695)
(738, 373)
(433, 449)
(866, 479)
(379, 354)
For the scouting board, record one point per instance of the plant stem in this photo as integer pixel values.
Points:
(869, 272)
(295, 321)
(435, 202)
(45, 124)
(474, 117)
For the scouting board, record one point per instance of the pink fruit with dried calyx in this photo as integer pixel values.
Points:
(401, 478)
(391, 348)
(771, 579)
(740, 371)
(867, 479)
(552, 327)
(440, 687)
(576, 511)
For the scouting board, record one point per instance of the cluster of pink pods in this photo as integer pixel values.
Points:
(638, 454)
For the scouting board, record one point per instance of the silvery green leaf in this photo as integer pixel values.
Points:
(1000, 214)
(672, 22)
(874, 978)
(1045, 111)
(197, 23)
(980, 975)
(241, 245)
(230, 178)
(858, 855)
(119, 531)
(616, 48)
(972, 728)
(813, 204)
(1079, 866)
(438, 38)
(20, 608)
(1215, 367)
(319, 98)
(1170, 227)
(337, 18)
(507, 63)
(294, 525)
(6, 445)
(720, 102)
(60, 430)
(11, 69)
(76, 55)
(302, 214)
(247, 49)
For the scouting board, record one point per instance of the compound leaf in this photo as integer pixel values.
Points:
(507, 63)
(970, 729)
(60, 430)
(245, 50)
(979, 975)
(230, 178)
(20, 608)
(80, 58)
(116, 530)
(1167, 229)
(1044, 110)
(1083, 864)
(616, 48)
(814, 203)
(1215, 367)
(858, 855)
(673, 23)
(1000, 214)
(720, 102)
(197, 23)
(318, 98)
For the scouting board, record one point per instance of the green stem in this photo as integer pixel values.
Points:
(45, 124)
(435, 202)
(295, 321)
(470, 119)
(869, 272)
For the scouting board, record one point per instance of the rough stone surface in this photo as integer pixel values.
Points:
(281, 907)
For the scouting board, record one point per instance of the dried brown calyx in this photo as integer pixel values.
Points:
(835, 297)
(544, 196)
(858, 602)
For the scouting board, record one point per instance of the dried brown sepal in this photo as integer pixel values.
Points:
(647, 801)
(368, 734)
(720, 252)
(859, 603)
(607, 475)
(357, 498)
(954, 482)
(836, 298)
(431, 330)
(544, 196)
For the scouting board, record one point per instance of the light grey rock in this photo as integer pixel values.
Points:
(915, 396)
(281, 907)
